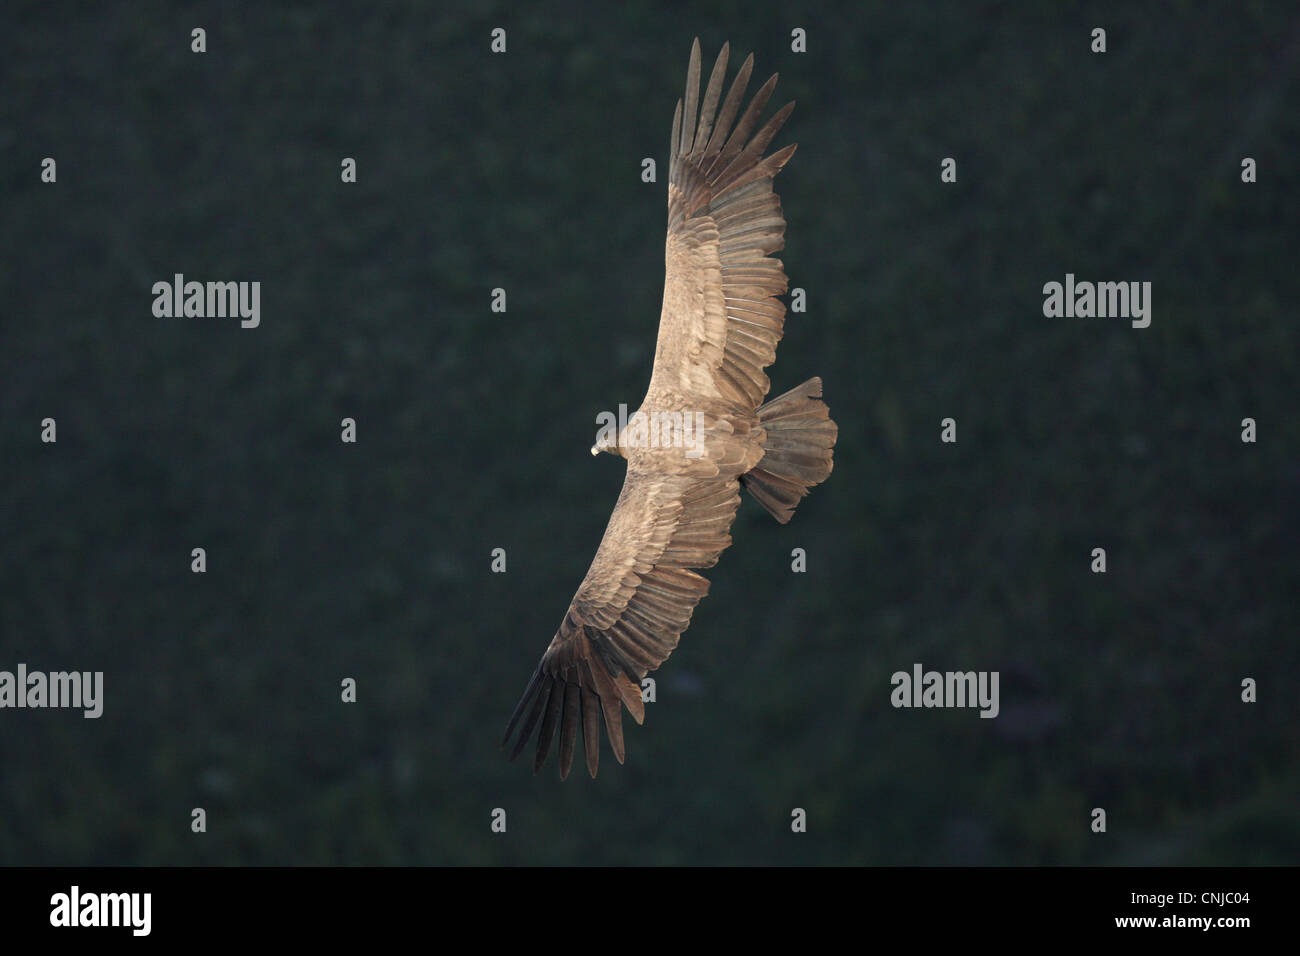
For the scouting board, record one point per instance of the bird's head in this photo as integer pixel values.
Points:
(612, 446)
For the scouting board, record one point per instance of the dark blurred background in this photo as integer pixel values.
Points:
(522, 171)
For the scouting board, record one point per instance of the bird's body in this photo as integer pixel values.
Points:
(718, 329)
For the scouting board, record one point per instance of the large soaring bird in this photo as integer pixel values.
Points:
(718, 330)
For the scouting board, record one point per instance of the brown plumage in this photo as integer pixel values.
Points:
(718, 330)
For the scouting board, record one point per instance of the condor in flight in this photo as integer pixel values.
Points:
(718, 330)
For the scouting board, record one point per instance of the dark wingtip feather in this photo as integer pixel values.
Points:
(569, 727)
(692, 98)
(674, 145)
(730, 107)
(539, 701)
(591, 729)
(555, 700)
(519, 707)
(630, 694)
(739, 137)
(614, 724)
(709, 108)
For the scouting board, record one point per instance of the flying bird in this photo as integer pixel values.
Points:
(702, 430)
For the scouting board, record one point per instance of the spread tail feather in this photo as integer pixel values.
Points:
(797, 452)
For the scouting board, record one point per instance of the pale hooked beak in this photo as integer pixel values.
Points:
(595, 450)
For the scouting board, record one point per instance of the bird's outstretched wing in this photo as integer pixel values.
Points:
(628, 613)
(721, 318)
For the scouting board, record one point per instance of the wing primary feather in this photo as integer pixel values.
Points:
(553, 704)
(614, 724)
(523, 702)
(591, 729)
(674, 144)
(692, 99)
(759, 143)
(543, 695)
(740, 135)
(711, 96)
(569, 726)
(730, 106)
(608, 696)
(767, 168)
(630, 693)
